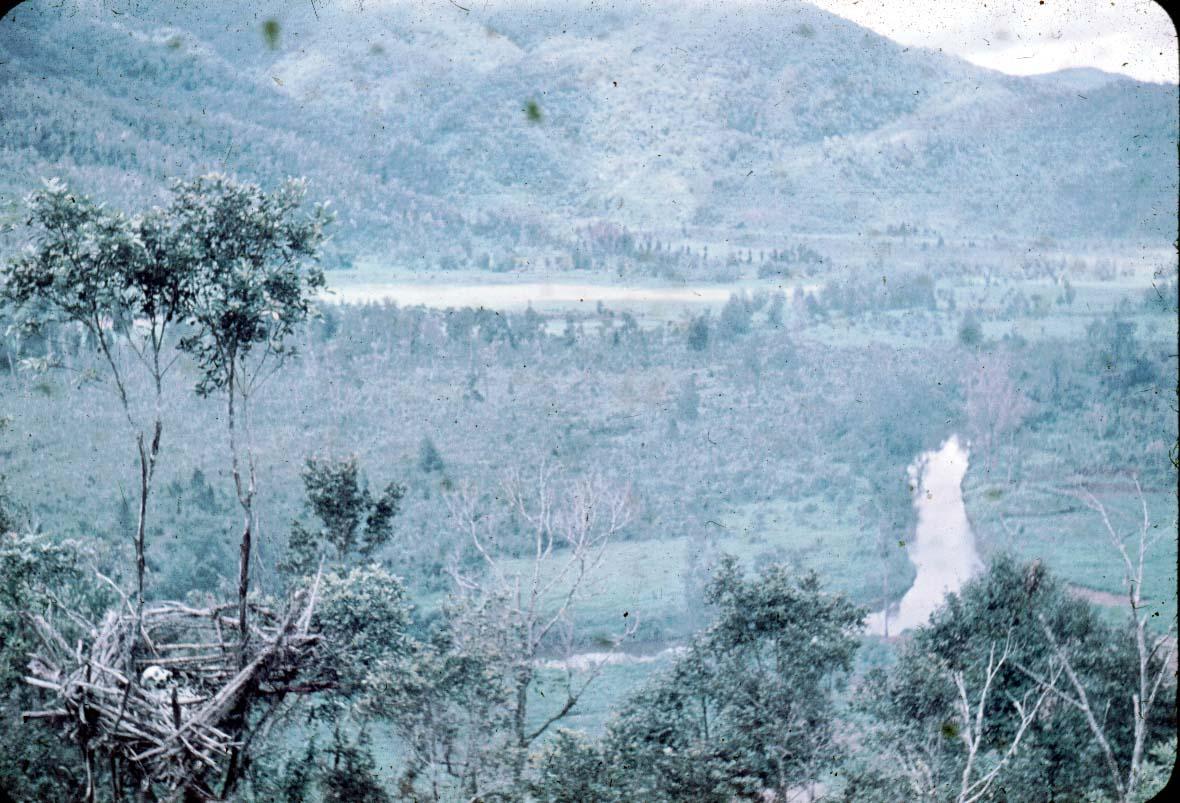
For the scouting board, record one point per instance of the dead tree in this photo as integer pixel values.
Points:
(995, 406)
(569, 527)
(1154, 653)
(972, 720)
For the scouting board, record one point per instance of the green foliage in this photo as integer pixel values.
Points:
(572, 769)
(450, 703)
(422, 190)
(461, 683)
(774, 314)
(1117, 355)
(251, 257)
(270, 33)
(182, 558)
(735, 319)
(296, 783)
(225, 260)
(97, 267)
(916, 702)
(688, 400)
(893, 421)
(698, 333)
(351, 774)
(353, 521)
(9, 517)
(33, 570)
(32, 565)
(970, 332)
(364, 618)
(1157, 771)
(429, 459)
(750, 705)
(343, 772)
(855, 295)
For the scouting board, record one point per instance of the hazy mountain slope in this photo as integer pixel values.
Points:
(120, 107)
(415, 119)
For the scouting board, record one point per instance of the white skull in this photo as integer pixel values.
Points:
(155, 677)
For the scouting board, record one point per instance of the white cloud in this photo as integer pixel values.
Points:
(1025, 37)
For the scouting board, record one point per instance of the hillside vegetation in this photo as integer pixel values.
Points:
(443, 132)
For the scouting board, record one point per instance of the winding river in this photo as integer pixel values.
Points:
(943, 548)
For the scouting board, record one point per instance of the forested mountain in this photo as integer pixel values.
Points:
(434, 128)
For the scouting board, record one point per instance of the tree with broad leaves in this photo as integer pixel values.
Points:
(983, 701)
(120, 279)
(354, 522)
(748, 709)
(252, 257)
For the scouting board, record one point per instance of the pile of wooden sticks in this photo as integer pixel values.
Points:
(165, 689)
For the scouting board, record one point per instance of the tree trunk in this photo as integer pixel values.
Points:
(519, 723)
(141, 526)
(246, 500)
(147, 471)
(243, 588)
(884, 582)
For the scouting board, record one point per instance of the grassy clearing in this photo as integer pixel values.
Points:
(1072, 540)
(648, 578)
(609, 690)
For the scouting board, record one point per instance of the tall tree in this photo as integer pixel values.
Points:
(121, 280)
(698, 332)
(231, 268)
(252, 255)
(735, 317)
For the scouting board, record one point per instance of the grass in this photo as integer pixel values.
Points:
(648, 578)
(1072, 540)
(609, 690)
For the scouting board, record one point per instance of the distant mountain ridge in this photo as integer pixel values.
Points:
(427, 124)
